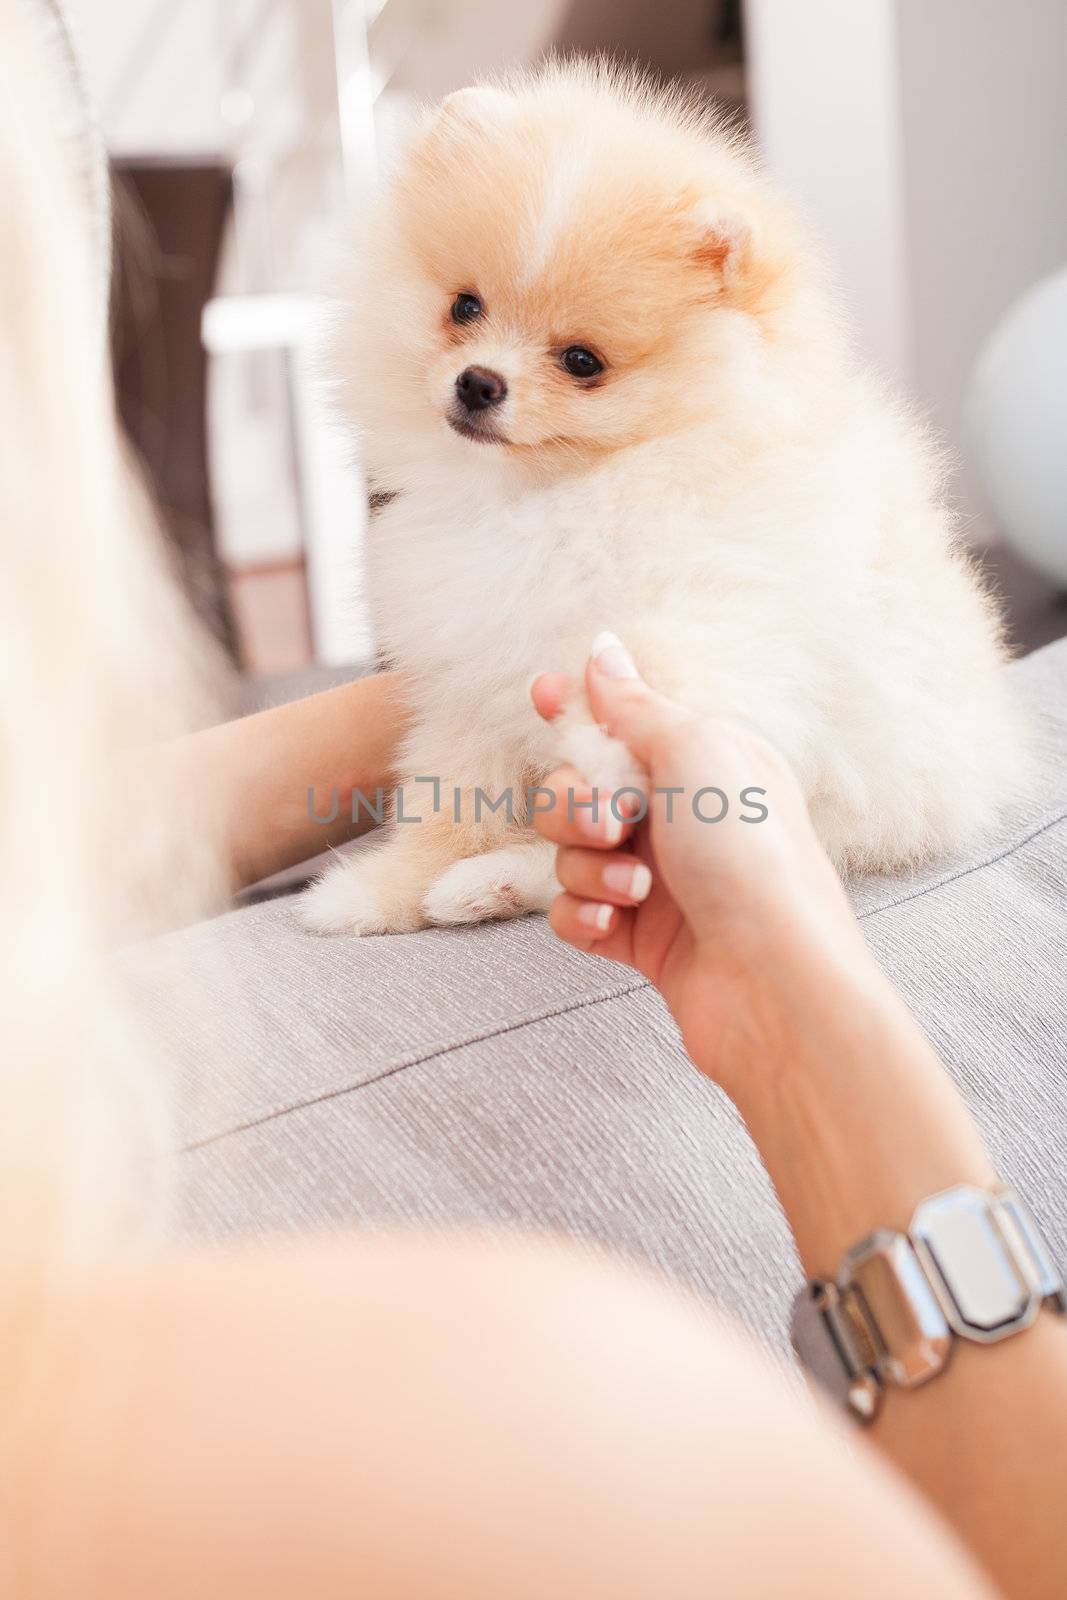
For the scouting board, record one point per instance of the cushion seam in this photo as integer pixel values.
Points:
(430, 1054)
(965, 872)
(518, 1023)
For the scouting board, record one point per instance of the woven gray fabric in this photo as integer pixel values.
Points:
(493, 1075)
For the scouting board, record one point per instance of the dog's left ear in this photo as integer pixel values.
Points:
(480, 106)
(722, 241)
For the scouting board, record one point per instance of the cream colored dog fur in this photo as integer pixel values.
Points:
(731, 493)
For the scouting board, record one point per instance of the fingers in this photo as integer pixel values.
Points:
(549, 691)
(589, 925)
(603, 879)
(620, 699)
(563, 811)
(624, 704)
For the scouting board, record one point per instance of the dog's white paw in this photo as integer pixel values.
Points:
(605, 763)
(502, 883)
(341, 901)
(347, 899)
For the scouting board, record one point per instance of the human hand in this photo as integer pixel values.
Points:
(733, 920)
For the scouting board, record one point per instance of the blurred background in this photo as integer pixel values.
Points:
(925, 138)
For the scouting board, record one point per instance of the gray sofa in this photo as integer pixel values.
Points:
(492, 1075)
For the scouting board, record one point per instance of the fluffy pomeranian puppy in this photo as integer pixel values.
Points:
(600, 384)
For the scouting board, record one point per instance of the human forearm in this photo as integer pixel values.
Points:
(854, 1115)
(857, 1124)
(332, 744)
(750, 939)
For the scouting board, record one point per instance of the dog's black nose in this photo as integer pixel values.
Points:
(478, 388)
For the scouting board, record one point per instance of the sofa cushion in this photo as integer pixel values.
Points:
(493, 1075)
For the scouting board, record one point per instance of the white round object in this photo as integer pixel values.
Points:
(1016, 424)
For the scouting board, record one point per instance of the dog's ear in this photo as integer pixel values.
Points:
(476, 114)
(479, 106)
(722, 241)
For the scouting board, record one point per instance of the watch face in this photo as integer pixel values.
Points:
(982, 1287)
(912, 1329)
(1023, 1235)
(972, 1263)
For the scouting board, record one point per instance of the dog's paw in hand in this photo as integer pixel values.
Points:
(605, 763)
(351, 897)
(502, 883)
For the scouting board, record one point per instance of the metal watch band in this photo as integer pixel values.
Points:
(972, 1265)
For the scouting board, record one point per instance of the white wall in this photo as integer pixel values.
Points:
(928, 140)
(823, 92)
(155, 72)
(430, 47)
(983, 88)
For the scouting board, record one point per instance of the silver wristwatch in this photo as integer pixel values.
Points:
(972, 1265)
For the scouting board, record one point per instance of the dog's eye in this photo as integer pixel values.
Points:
(465, 307)
(580, 363)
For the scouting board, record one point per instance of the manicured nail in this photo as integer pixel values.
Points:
(612, 657)
(594, 916)
(632, 881)
(605, 827)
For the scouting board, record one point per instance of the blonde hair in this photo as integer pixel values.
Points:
(97, 655)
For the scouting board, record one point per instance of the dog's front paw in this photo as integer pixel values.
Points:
(352, 898)
(502, 883)
(605, 763)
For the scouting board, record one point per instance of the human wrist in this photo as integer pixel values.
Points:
(853, 1114)
(796, 1004)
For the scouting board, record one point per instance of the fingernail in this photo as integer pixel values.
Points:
(594, 916)
(612, 657)
(605, 826)
(613, 826)
(632, 881)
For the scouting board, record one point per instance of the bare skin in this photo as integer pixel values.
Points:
(747, 933)
(413, 1417)
(334, 744)
(442, 1418)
